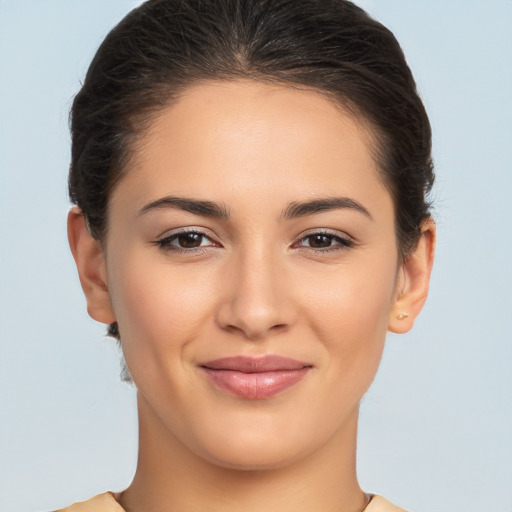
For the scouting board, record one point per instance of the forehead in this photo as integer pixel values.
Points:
(220, 138)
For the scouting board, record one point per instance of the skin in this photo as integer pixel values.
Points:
(256, 285)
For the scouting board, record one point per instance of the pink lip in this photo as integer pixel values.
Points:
(255, 378)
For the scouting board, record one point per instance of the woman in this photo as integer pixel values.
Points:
(250, 183)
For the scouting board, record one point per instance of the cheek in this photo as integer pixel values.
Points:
(349, 313)
(159, 309)
(351, 300)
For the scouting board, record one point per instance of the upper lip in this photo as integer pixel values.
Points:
(260, 364)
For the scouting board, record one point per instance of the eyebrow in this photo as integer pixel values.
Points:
(294, 210)
(302, 209)
(195, 206)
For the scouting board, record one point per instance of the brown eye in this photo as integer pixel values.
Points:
(185, 241)
(324, 242)
(189, 240)
(320, 241)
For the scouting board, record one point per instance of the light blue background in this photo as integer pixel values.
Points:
(436, 426)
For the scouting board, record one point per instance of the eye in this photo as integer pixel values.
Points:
(324, 241)
(186, 241)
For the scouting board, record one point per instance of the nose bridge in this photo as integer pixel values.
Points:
(257, 301)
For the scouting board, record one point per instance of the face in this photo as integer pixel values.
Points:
(251, 264)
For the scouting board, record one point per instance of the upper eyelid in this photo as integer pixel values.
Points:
(325, 231)
(189, 229)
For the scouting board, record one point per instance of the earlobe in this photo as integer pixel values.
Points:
(90, 263)
(413, 281)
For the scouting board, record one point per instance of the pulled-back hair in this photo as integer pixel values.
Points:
(332, 46)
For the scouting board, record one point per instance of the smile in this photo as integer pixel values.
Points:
(255, 378)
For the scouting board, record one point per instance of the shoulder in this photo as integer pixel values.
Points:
(380, 504)
(101, 503)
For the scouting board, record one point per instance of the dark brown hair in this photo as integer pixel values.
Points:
(164, 46)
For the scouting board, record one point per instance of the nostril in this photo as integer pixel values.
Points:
(254, 334)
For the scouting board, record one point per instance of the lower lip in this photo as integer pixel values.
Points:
(255, 386)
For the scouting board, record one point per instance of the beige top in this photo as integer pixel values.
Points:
(107, 503)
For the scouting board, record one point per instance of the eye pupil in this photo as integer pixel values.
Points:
(319, 241)
(190, 240)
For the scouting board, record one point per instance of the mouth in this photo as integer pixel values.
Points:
(255, 378)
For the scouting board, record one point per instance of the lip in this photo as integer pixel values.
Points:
(255, 378)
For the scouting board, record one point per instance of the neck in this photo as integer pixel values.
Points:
(171, 478)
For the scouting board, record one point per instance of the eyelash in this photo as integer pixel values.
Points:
(166, 243)
(343, 242)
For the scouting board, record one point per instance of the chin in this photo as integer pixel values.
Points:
(266, 442)
(256, 456)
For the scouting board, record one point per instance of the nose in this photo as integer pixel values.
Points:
(256, 299)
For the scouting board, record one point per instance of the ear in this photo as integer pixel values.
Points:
(90, 263)
(413, 280)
